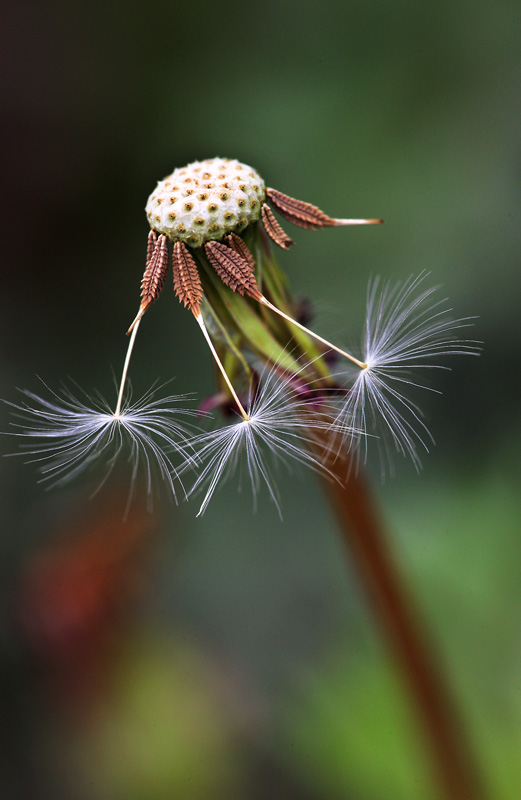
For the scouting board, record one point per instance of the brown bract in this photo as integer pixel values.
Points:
(240, 246)
(155, 273)
(299, 213)
(273, 229)
(187, 283)
(151, 245)
(234, 270)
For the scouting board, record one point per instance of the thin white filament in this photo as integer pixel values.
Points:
(267, 303)
(209, 342)
(279, 429)
(406, 330)
(71, 434)
(125, 366)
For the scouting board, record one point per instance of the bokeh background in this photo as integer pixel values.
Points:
(234, 656)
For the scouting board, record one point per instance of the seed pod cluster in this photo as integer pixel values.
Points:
(206, 200)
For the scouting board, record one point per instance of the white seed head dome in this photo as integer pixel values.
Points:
(206, 200)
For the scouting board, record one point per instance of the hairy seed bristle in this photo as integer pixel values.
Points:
(233, 269)
(273, 229)
(187, 283)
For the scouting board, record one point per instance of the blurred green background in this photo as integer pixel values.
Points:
(234, 656)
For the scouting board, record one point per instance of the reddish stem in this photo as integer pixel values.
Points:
(393, 607)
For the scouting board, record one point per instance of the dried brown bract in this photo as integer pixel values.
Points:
(151, 245)
(187, 283)
(233, 269)
(298, 212)
(273, 229)
(155, 273)
(240, 246)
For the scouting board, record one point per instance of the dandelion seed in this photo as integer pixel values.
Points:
(72, 434)
(407, 331)
(280, 430)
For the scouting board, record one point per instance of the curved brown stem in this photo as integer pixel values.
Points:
(392, 605)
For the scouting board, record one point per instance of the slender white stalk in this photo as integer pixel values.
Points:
(267, 303)
(206, 335)
(130, 347)
(137, 319)
(358, 221)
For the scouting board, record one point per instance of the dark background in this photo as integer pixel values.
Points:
(229, 656)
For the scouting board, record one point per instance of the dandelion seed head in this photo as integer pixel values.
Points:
(206, 200)
(206, 207)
